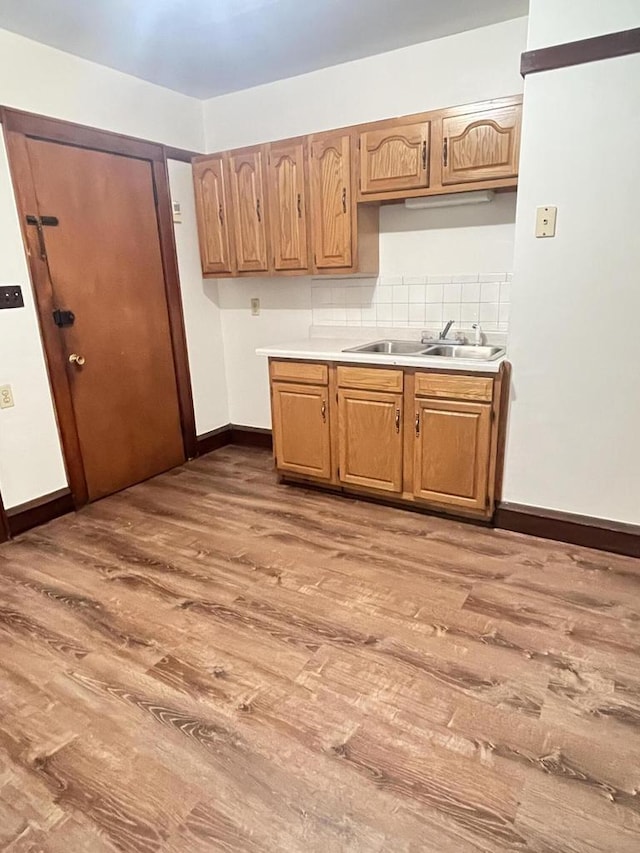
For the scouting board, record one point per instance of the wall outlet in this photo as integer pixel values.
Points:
(546, 221)
(255, 306)
(6, 397)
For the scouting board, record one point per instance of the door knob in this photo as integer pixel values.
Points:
(74, 358)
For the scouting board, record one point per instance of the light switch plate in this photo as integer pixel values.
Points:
(255, 306)
(546, 221)
(6, 397)
(177, 212)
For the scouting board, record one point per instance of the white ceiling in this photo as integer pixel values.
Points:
(207, 47)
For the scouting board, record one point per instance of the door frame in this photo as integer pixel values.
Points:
(17, 126)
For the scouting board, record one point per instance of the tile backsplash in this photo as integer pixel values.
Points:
(424, 302)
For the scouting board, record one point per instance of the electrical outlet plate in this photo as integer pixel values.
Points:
(546, 221)
(11, 296)
(255, 306)
(6, 397)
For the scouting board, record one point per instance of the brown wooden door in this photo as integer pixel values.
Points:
(105, 266)
(249, 210)
(288, 205)
(301, 429)
(212, 207)
(370, 439)
(331, 205)
(395, 158)
(481, 146)
(452, 452)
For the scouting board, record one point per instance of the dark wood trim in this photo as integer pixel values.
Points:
(251, 436)
(174, 304)
(39, 511)
(234, 434)
(583, 530)
(26, 202)
(181, 154)
(83, 136)
(4, 523)
(214, 440)
(17, 126)
(594, 49)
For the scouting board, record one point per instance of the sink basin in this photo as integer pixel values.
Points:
(464, 351)
(391, 348)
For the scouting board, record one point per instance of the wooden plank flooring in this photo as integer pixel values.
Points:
(212, 662)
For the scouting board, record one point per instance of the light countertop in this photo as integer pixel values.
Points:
(331, 349)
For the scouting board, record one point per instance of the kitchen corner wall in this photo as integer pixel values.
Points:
(414, 244)
(575, 412)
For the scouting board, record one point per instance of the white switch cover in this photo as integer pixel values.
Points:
(6, 397)
(546, 221)
(255, 306)
(177, 211)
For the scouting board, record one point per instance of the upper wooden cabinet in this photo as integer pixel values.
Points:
(249, 212)
(481, 145)
(395, 157)
(287, 189)
(212, 212)
(331, 203)
(311, 204)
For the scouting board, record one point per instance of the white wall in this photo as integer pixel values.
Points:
(41, 79)
(559, 21)
(458, 69)
(467, 67)
(575, 418)
(201, 306)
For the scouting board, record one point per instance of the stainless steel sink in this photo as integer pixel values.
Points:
(391, 348)
(464, 351)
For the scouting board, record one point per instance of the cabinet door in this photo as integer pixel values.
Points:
(370, 439)
(452, 450)
(212, 212)
(481, 146)
(288, 206)
(331, 211)
(395, 158)
(249, 229)
(301, 429)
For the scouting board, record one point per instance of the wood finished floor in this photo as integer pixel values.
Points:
(212, 662)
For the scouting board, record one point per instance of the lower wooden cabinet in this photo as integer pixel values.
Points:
(301, 429)
(419, 437)
(370, 439)
(452, 453)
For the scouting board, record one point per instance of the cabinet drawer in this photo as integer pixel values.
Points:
(299, 371)
(370, 378)
(477, 388)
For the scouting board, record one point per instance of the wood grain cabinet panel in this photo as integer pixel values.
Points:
(481, 146)
(452, 453)
(288, 205)
(454, 386)
(370, 439)
(212, 208)
(394, 158)
(332, 215)
(370, 378)
(249, 210)
(314, 373)
(301, 434)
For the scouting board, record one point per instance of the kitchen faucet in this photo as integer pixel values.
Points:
(441, 337)
(445, 331)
